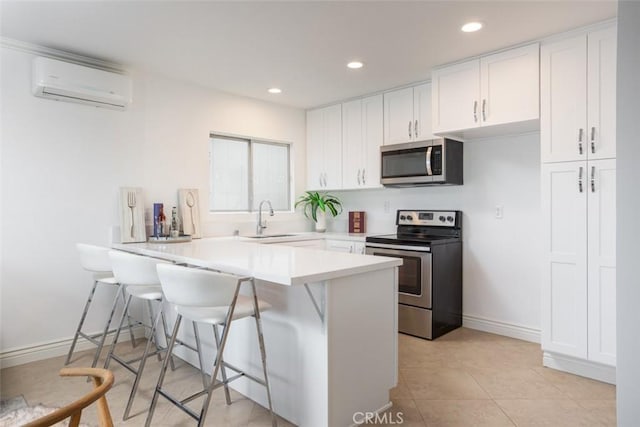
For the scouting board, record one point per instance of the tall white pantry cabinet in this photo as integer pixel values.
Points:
(578, 150)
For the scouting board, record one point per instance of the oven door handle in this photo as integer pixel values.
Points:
(429, 171)
(399, 247)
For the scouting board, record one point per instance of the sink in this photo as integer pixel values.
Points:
(267, 236)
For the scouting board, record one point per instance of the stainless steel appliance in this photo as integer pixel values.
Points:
(430, 279)
(432, 162)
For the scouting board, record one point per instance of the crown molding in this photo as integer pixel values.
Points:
(61, 55)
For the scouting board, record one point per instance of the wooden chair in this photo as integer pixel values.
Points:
(102, 380)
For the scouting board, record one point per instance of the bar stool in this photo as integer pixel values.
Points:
(96, 260)
(213, 298)
(139, 276)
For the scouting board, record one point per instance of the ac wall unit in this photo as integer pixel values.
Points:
(64, 81)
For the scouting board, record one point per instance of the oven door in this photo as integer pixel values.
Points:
(414, 275)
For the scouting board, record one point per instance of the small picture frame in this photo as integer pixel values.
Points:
(189, 212)
(132, 225)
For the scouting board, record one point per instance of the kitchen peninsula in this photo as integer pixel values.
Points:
(331, 335)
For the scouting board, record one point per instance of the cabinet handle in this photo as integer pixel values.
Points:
(593, 140)
(320, 179)
(593, 179)
(325, 179)
(359, 183)
(409, 129)
(364, 181)
(351, 249)
(484, 110)
(580, 179)
(475, 111)
(415, 128)
(580, 133)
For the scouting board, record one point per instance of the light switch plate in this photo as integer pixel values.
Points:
(499, 211)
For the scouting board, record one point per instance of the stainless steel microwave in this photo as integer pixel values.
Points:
(432, 162)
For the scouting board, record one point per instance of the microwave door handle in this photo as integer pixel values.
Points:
(429, 171)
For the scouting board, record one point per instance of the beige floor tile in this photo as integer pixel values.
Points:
(603, 410)
(559, 412)
(515, 384)
(462, 413)
(403, 412)
(442, 384)
(578, 387)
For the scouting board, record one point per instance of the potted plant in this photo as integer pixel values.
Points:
(316, 205)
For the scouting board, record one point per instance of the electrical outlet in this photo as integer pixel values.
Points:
(387, 206)
(499, 211)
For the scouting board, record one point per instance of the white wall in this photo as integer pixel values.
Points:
(628, 235)
(62, 165)
(501, 264)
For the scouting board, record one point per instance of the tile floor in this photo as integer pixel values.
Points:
(466, 378)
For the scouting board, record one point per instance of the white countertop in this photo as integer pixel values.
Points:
(280, 264)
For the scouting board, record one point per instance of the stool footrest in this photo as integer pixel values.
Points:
(179, 404)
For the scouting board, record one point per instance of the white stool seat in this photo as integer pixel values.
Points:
(106, 279)
(145, 292)
(217, 315)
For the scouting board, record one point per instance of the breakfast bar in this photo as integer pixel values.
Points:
(330, 336)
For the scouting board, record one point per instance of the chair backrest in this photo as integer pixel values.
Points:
(94, 258)
(102, 381)
(196, 287)
(135, 270)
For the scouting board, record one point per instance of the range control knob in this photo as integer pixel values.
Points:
(441, 218)
(402, 217)
(409, 217)
(450, 218)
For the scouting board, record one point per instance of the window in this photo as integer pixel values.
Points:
(245, 171)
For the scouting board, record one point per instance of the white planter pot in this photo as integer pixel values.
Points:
(321, 223)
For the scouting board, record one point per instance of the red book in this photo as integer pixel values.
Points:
(357, 222)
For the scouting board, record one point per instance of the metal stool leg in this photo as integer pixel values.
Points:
(167, 337)
(143, 361)
(115, 339)
(263, 354)
(82, 318)
(223, 369)
(163, 371)
(196, 334)
(106, 328)
(133, 339)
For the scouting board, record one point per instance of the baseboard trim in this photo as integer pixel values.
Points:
(501, 328)
(584, 368)
(34, 353)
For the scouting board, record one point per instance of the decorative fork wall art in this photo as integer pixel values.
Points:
(189, 208)
(132, 225)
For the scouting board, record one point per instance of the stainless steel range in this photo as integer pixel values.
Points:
(430, 279)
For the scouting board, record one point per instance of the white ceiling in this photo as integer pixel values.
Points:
(302, 47)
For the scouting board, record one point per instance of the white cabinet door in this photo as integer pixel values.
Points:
(358, 248)
(352, 144)
(422, 116)
(510, 86)
(601, 93)
(372, 140)
(332, 146)
(563, 98)
(339, 246)
(315, 152)
(602, 261)
(564, 284)
(398, 116)
(455, 92)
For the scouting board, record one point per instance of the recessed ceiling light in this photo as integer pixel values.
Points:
(470, 27)
(355, 64)
(275, 90)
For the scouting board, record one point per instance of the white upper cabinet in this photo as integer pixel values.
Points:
(324, 148)
(361, 140)
(578, 91)
(407, 115)
(497, 89)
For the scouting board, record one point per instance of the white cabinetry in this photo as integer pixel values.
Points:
(407, 115)
(498, 89)
(324, 148)
(361, 140)
(578, 87)
(349, 246)
(579, 204)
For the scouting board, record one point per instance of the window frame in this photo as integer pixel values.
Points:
(251, 141)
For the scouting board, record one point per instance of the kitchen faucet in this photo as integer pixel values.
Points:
(263, 224)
